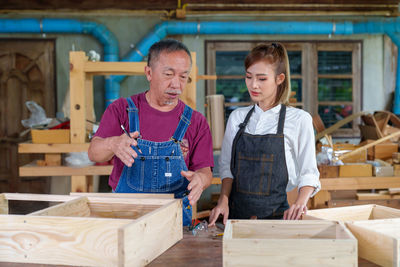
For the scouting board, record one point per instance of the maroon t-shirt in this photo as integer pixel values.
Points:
(159, 126)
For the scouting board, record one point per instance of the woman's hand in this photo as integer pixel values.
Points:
(300, 206)
(222, 208)
(295, 212)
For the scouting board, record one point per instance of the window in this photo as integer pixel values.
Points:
(325, 77)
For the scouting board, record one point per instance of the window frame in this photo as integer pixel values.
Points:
(309, 72)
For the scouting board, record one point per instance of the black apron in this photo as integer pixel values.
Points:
(258, 165)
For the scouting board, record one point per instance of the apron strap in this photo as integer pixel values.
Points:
(281, 122)
(242, 127)
(184, 123)
(133, 115)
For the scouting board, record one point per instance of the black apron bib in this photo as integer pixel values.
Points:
(260, 174)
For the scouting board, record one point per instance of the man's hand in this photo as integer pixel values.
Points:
(222, 208)
(121, 147)
(198, 181)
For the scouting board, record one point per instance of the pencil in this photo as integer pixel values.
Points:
(137, 146)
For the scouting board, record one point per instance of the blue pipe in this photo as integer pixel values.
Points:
(389, 26)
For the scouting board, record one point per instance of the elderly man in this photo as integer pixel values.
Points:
(169, 148)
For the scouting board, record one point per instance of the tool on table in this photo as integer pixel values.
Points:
(137, 146)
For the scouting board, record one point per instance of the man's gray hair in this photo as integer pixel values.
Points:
(167, 45)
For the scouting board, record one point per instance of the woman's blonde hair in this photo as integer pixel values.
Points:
(275, 54)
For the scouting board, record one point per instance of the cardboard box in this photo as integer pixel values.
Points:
(57, 136)
(355, 170)
(383, 171)
(288, 243)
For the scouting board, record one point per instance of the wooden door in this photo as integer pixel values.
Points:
(26, 73)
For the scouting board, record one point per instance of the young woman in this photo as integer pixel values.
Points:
(268, 148)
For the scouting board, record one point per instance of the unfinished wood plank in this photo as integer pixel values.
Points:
(354, 213)
(38, 197)
(61, 241)
(189, 93)
(120, 210)
(34, 170)
(3, 204)
(53, 159)
(378, 241)
(308, 248)
(350, 183)
(371, 196)
(73, 208)
(78, 97)
(394, 191)
(109, 68)
(369, 145)
(382, 212)
(51, 148)
(157, 231)
(123, 195)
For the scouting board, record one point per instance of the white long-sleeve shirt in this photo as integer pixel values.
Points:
(299, 142)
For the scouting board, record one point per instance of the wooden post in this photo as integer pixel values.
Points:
(78, 82)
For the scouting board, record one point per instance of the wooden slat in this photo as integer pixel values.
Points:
(120, 210)
(52, 148)
(73, 208)
(159, 229)
(38, 197)
(351, 183)
(189, 93)
(109, 68)
(34, 170)
(124, 195)
(61, 241)
(3, 204)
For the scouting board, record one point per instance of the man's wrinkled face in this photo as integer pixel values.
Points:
(168, 76)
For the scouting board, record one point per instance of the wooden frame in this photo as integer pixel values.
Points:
(90, 230)
(81, 110)
(378, 241)
(282, 243)
(353, 213)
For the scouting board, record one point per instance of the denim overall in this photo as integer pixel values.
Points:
(157, 168)
(260, 174)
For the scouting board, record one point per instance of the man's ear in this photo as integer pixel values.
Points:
(280, 78)
(148, 72)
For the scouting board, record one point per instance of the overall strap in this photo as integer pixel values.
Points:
(184, 123)
(133, 115)
(281, 122)
(242, 126)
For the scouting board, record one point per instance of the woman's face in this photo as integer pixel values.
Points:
(262, 83)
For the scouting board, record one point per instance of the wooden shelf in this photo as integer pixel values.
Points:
(353, 183)
(51, 148)
(34, 170)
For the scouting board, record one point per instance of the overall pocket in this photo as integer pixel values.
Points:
(170, 178)
(136, 175)
(254, 173)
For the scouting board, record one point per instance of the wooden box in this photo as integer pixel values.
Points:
(353, 213)
(343, 148)
(328, 171)
(378, 241)
(286, 243)
(355, 170)
(381, 151)
(57, 136)
(90, 231)
(383, 171)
